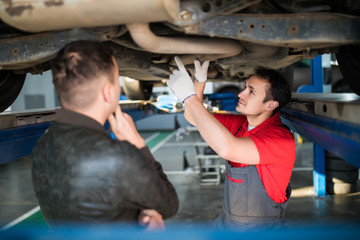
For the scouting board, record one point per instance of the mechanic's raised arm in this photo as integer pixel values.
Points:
(199, 83)
(242, 150)
(201, 70)
(199, 89)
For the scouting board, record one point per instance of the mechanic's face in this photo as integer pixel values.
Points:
(252, 97)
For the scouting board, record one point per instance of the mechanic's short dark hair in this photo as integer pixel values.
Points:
(76, 70)
(279, 88)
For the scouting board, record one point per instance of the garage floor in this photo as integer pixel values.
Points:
(199, 204)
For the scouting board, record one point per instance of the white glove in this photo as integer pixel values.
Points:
(180, 82)
(201, 70)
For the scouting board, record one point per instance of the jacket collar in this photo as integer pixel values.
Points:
(77, 119)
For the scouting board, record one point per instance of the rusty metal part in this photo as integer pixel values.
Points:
(301, 31)
(207, 48)
(30, 50)
(47, 15)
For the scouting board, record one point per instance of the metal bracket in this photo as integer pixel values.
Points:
(192, 12)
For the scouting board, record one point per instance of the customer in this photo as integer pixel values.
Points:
(79, 173)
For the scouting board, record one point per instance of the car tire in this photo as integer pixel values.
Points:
(341, 176)
(229, 89)
(288, 74)
(338, 164)
(340, 188)
(348, 59)
(136, 89)
(10, 87)
(341, 87)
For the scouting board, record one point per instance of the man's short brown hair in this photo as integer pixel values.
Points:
(77, 69)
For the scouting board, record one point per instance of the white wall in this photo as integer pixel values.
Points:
(36, 85)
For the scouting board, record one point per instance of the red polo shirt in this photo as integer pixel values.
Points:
(276, 147)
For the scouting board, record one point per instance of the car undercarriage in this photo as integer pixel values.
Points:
(235, 35)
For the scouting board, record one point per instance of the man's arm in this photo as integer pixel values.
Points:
(152, 220)
(227, 146)
(242, 150)
(123, 127)
(199, 83)
(164, 187)
(153, 189)
(143, 182)
(199, 89)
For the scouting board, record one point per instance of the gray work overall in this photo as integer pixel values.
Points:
(246, 205)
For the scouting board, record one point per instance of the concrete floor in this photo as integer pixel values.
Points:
(199, 204)
(202, 203)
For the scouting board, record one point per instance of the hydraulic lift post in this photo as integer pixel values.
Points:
(330, 120)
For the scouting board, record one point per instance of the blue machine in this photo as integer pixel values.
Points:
(340, 136)
(316, 86)
(21, 130)
(226, 101)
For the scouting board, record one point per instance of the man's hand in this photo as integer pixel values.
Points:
(201, 70)
(124, 128)
(152, 219)
(180, 82)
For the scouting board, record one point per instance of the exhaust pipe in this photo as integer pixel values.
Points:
(45, 15)
(207, 48)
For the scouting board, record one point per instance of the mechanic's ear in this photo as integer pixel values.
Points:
(107, 92)
(271, 105)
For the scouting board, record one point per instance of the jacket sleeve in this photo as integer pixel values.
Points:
(150, 187)
(172, 198)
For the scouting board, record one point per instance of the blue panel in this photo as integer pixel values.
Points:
(317, 78)
(228, 101)
(317, 75)
(19, 142)
(221, 96)
(340, 138)
(309, 231)
(319, 179)
(139, 114)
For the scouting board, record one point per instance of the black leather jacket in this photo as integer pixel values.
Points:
(81, 174)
